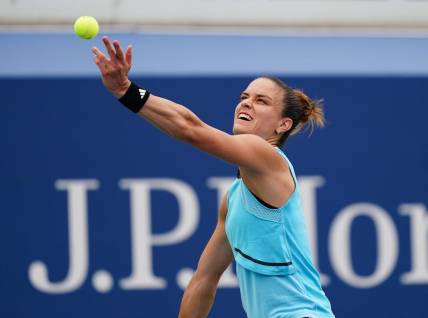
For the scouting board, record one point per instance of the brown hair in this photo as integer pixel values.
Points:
(300, 108)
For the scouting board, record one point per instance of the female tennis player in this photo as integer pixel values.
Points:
(260, 222)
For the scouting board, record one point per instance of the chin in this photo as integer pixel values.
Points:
(239, 130)
(242, 128)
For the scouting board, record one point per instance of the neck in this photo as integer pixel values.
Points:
(273, 140)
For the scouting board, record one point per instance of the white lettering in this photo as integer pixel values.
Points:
(78, 241)
(142, 276)
(340, 244)
(419, 243)
(308, 187)
(228, 279)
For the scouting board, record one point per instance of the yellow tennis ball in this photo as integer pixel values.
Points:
(86, 27)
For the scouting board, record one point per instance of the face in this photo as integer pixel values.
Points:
(259, 111)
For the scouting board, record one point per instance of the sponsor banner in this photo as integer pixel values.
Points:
(104, 216)
(318, 13)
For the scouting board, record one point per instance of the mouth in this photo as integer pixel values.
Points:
(244, 116)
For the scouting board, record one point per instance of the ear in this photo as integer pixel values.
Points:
(285, 124)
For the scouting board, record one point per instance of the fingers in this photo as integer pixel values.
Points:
(109, 47)
(117, 59)
(119, 52)
(100, 60)
(115, 51)
(128, 54)
(98, 54)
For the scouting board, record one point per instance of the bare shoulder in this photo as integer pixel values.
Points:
(275, 185)
(265, 152)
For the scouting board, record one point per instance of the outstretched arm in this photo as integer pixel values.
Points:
(247, 151)
(199, 295)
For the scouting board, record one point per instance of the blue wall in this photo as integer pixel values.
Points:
(373, 151)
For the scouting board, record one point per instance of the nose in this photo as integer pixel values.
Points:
(245, 103)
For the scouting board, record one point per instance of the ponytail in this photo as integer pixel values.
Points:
(313, 113)
(303, 111)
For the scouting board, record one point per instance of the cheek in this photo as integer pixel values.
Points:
(267, 121)
(268, 117)
(236, 110)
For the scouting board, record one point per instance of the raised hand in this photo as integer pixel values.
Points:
(114, 70)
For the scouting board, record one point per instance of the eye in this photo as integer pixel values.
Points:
(242, 97)
(262, 101)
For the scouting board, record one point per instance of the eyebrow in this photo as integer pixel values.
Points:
(258, 95)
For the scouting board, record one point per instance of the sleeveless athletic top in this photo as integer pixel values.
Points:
(276, 276)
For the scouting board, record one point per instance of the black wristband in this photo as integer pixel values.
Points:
(135, 98)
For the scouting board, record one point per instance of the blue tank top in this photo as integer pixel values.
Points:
(273, 261)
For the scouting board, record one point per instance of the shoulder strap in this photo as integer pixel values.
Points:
(290, 166)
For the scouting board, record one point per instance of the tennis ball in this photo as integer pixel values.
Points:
(86, 27)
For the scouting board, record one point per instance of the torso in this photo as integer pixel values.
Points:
(271, 249)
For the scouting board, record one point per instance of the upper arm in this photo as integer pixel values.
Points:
(247, 151)
(217, 254)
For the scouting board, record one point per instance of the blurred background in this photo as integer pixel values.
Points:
(104, 216)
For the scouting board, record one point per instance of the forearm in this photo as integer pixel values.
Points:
(198, 298)
(170, 117)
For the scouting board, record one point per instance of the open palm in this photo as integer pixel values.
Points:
(115, 68)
